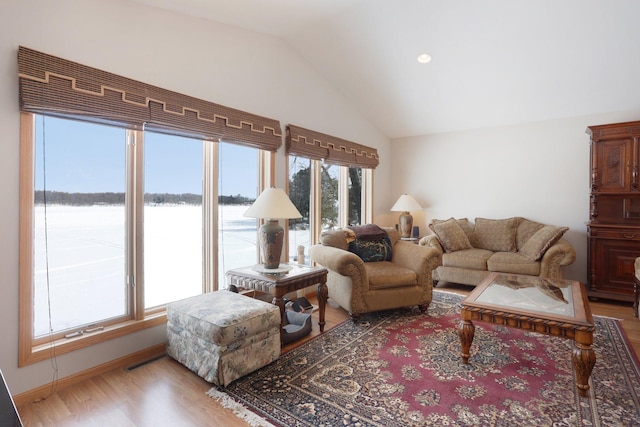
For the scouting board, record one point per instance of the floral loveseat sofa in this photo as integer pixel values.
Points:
(512, 245)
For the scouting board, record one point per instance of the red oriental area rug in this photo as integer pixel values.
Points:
(403, 368)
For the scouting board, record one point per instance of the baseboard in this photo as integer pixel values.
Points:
(125, 361)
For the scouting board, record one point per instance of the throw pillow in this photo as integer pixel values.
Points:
(462, 222)
(451, 235)
(335, 238)
(542, 240)
(526, 229)
(497, 235)
(372, 250)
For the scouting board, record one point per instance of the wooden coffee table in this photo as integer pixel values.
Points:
(549, 306)
(291, 277)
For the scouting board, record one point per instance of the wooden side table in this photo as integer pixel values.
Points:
(279, 284)
(413, 240)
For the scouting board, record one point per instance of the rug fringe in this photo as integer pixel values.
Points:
(238, 409)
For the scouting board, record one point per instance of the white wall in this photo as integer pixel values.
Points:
(538, 170)
(217, 63)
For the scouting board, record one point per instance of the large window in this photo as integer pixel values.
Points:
(327, 196)
(173, 218)
(137, 222)
(117, 223)
(300, 180)
(330, 182)
(355, 195)
(238, 187)
(79, 225)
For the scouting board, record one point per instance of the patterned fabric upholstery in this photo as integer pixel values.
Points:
(335, 238)
(222, 335)
(475, 259)
(514, 245)
(526, 229)
(498, 235)
(462, 222)
(363, 287)
(384, 275)
(451, 235)
(542, 240)
(509, 262)
(372, 250)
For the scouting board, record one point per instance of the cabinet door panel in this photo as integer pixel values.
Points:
(614, 165)
(614, 262)
(622, 209)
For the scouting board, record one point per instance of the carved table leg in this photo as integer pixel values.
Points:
(466, 331)
(584, 359)
(279, 301)
(323, 293)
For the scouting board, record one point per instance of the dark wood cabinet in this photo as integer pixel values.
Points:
(614, 224)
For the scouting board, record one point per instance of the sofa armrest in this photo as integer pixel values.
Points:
(420, 259)
(431, 241)
(560, 254)
(338, 260)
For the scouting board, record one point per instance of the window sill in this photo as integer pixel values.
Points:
(66, 345)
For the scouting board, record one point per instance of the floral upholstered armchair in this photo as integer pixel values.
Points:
(371, 269)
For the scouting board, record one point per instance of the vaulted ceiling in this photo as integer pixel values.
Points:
(494, 62)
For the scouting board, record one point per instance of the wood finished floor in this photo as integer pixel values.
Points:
(164, 393)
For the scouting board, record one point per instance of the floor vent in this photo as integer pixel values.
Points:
(136, 366)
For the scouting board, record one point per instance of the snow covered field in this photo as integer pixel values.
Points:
(86, 263)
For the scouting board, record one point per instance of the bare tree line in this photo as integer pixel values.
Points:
(107, 198)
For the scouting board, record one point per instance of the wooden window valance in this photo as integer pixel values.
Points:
(337, 151)
(54, 86)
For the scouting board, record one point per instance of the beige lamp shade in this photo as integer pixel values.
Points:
(272, 204)
(405, 204)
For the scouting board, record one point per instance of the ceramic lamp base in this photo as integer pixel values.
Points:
(406, 224)
(271, 239)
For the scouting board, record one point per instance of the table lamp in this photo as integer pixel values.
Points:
(405, 204)
(271, 205)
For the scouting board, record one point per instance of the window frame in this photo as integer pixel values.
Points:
(315, 194)
(31, 349)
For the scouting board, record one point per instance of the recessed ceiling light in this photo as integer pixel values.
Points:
(424, 58)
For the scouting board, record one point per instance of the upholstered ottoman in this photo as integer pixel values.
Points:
(222, 335)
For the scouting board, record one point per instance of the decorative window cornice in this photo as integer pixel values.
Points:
(58, 87)
(319, 146)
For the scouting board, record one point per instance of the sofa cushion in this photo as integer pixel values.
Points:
(451, 235)
(372, 250)
(542, 240)
(474, 259)
(498, 235)
(526, 229)
(383, 275)
(462, 222)
(509, 262)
